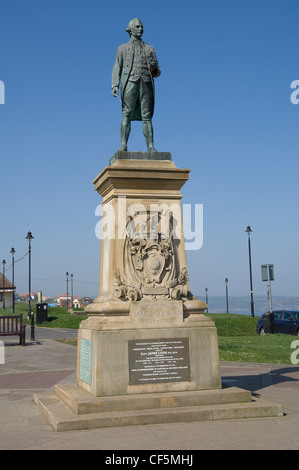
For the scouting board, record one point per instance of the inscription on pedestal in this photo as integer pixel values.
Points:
(157, 314)
(161, 360)
(85, 360)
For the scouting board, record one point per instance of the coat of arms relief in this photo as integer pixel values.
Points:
(149, 268)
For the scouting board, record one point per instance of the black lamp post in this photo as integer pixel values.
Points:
(13, 278)
(29, 237)
(226, 291)
(248, 230)
(72, 290)
(67, 290)
(3, 285)
(207, 302)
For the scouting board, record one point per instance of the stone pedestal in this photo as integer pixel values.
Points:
(146, 344)
(144, 289)
(153, 349)
(142, 241)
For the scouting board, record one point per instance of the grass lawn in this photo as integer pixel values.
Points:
(57, 317)
(238, 341)
(237, 338)
(275, 349)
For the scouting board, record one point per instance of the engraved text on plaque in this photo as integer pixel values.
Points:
(161, 360)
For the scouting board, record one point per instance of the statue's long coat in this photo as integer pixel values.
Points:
(122, 68)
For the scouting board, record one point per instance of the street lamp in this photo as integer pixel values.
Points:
(72, 289)
(29, 237)
(3, 285)
(13, 278)
(206, 289)
(248, 230)
(67, 290)
(226, 291)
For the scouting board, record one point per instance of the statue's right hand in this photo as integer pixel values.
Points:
(115, 91)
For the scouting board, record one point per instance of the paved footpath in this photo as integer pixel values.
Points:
(42, 363)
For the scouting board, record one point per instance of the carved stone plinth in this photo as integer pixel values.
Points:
(142, 242)
(144, 289)
(159, 346)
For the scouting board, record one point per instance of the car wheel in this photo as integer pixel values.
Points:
(262, 331)
(297, 332)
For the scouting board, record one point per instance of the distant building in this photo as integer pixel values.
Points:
(48, 299)
(25, 297)
(63, 300)
(7, 290)
(77, 303)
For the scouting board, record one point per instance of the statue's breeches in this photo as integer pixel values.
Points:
(138, 100)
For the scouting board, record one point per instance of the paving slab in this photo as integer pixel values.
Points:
(36, 368)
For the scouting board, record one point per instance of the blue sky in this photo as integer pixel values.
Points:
(223, 110)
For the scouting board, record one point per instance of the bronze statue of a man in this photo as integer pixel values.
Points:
(135, 68)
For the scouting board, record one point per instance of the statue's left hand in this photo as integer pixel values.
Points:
(153, 63)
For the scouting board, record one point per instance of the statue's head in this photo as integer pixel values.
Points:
(135, 28)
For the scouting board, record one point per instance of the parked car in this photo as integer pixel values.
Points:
(285, 322)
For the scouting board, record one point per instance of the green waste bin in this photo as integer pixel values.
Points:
(41, 313)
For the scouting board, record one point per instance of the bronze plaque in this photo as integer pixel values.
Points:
(159, 360)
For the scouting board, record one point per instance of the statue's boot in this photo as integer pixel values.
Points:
(149, 135)
(125, 130)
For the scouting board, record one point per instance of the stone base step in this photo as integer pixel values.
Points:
(82, 402)
(63, 418)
